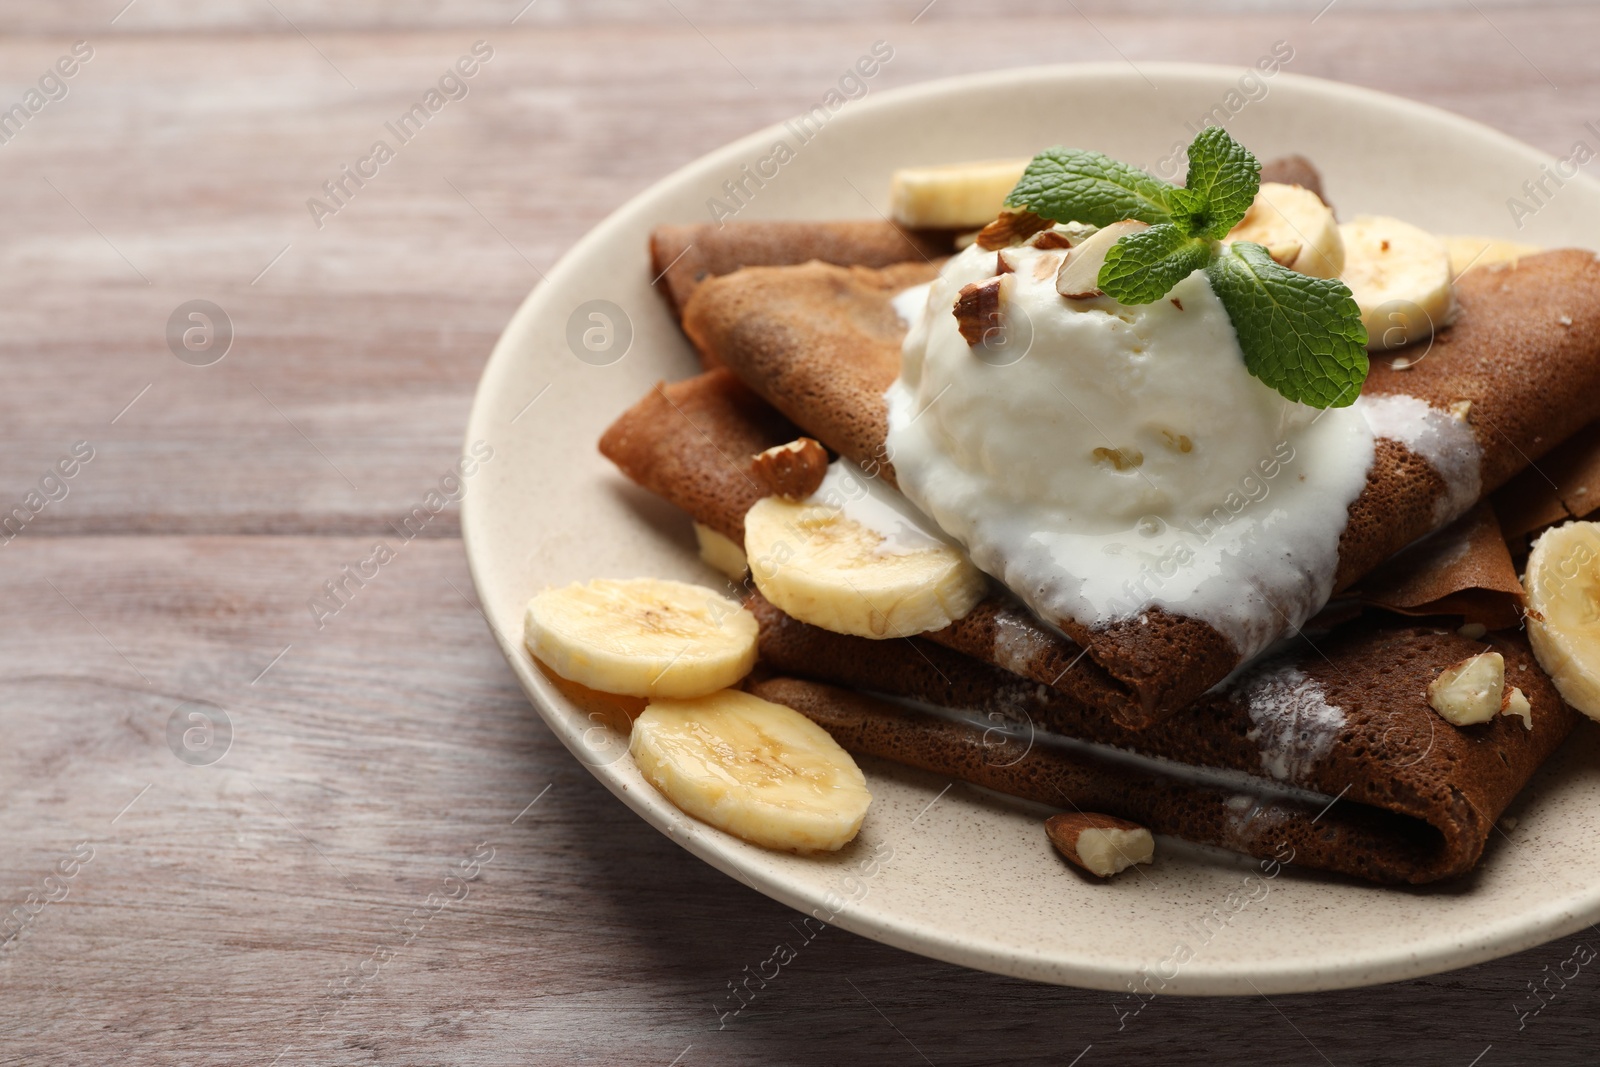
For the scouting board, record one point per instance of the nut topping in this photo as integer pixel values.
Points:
(977, 309)
(1009, 228)
(1100, 844)
(794, 470)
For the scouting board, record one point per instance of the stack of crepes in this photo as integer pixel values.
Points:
(1327, 746)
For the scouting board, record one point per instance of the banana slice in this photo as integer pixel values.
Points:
(1563, 587)
(1285, 216)
(956, 196)
(1400, 277)
(1468, 252)
(879, 578)
(643, 637)
(758, 770)
(722, 553)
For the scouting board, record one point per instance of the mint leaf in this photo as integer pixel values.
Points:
(1222, 184)
(1224, 176)
(1301, 335)
(1142, 267)
(1072, 185)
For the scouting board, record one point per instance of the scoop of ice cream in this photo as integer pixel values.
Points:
(1098, 457)
(1097, 412)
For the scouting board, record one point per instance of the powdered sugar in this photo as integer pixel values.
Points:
(1294, 724)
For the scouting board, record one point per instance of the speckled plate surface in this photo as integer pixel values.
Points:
(959, 874)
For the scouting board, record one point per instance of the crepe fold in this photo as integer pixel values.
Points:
(821, 344)
(681, 257)
(1464, 570)
(693, 443)
(1252, 766)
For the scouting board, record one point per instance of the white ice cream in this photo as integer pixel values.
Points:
(1103, 458)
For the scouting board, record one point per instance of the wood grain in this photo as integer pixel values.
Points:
(225, 906)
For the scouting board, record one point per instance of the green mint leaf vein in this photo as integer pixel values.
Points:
(1072, 185)
(1223, 179)
(1301, 335)
(1143, 267)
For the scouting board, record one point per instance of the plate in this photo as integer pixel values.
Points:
(952, 872)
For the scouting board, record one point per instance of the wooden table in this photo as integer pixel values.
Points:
(300, 900)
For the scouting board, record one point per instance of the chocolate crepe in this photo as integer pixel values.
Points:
(1464, 570)
(693, 443)
(684, 256)
(1346, 717)
(1563, 485)
(821, 344)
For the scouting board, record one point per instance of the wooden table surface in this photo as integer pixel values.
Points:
(300, 900)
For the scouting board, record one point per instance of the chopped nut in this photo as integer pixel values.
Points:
(1045, 267)
(1284, 255)
(1471, 691)
(1123, 459)
(794, 470)
(977, 309)
(1050, 239)
(1100, 844)
(1009, 228)
(1515, 702)
(1002, 265)
(1080, 274)
(1460, 410)
(721, 552)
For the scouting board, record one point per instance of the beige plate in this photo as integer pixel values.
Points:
(960, 875)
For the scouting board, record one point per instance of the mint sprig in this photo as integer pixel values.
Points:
(1222, 184)
(1301, 335)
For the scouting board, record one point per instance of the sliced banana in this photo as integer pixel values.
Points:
(643, 637)
(721, 552)
(1285, 216)
(955, 196)
(1468, 252)
(1563, 586)
(822, 566)
(758, 770)
(1400, 277)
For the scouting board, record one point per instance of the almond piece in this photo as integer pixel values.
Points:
(1515, 702)
(1051, 239)
(1284, 255)
(1009, 228)
(1080, 274)
(794, 470)
(977, 308)
(1100, 844)
(1471, 691)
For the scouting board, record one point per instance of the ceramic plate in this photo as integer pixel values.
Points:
(958, 874)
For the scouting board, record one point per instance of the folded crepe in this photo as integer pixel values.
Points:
(693, 443)
(1563, 485)
(1253, 765)
(684, 256)
(1464, 570)
(821, 344)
